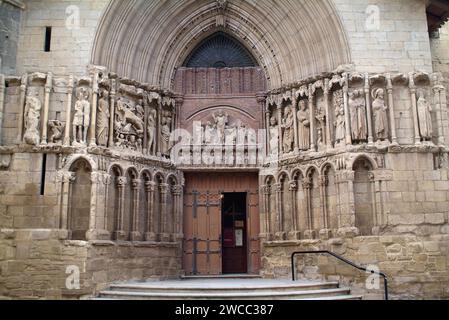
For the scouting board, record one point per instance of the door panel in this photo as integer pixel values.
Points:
(203, 220)
(253, 232)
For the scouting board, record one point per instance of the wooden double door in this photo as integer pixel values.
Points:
(221, 224)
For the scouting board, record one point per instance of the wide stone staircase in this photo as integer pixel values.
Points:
(227, 288)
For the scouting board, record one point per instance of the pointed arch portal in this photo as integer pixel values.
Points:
(148, 40)
(220, 56)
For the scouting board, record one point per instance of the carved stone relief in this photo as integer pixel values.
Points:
(81, 118)
(129, 124)
(103, 119)
(339, 112)
(288, 130)
(424, 116)
(380, 110)
(274, 137)
(357, 107)
(33, 108)
(303, 125)
(56, 131)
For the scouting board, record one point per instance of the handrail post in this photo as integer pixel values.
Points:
(341, 259)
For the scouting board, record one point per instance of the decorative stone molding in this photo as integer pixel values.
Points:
(16, 3)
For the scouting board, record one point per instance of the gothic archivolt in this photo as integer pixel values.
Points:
(187, 23)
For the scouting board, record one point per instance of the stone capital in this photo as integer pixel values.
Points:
(277, 187)
(136, 183)
(122, 182)
(150, 186)
(177, 190)
(307, 184)
(163, 188)
(266, 190)
(293, 186)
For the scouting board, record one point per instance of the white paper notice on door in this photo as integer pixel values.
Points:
(239, 237)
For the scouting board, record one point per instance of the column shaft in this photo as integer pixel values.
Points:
(44, 125)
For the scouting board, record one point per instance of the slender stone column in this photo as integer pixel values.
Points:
(281, 136)
(295, 123)
(329, 143)
(394, 138)
(376, 203)
(280, 232)
(266, 233)
(107, 180)
(65, 180)
(44, 124)
(307, 187)
(269, 229)
(325, 233)
(312, 120)
(443, 111)
(437, 98)
(369, 115)
(267, 132)
(93, 118)
(179, 100)
(135, 233)
(294, 234)
(346, 106)
(158, 131)
(2, 103)
(347, 226)
(21, 115)
(92, 232)
(263, 212)
(150, 234)
(68, 115)
(163, 191)
(119, 233)
(414, 109)
(177, 213)
(112, 113)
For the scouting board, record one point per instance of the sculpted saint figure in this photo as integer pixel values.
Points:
(221, 120)
(209, 133)
(357, 106)
(274, 137)
(103, 119)
(151, 129)
(81, 119)
(303, 126)
(165, 132)
(230, 135)
(380, 114)
(425, 117)
(340, 126)
(288, 137)
(32, 116)
(56, 127)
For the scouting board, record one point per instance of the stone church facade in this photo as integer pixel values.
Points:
(154, 139)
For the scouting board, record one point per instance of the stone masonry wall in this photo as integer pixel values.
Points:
(70, 47)
(34, 264)
(400, 44)
(440, 48)
(9, 36)
(417, 267)
(411, 247)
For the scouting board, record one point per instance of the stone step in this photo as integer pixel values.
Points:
(336, 298)
(223, 276)
(200, 288)
(238, 295)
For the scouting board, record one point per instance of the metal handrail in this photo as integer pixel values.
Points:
(341, 259)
